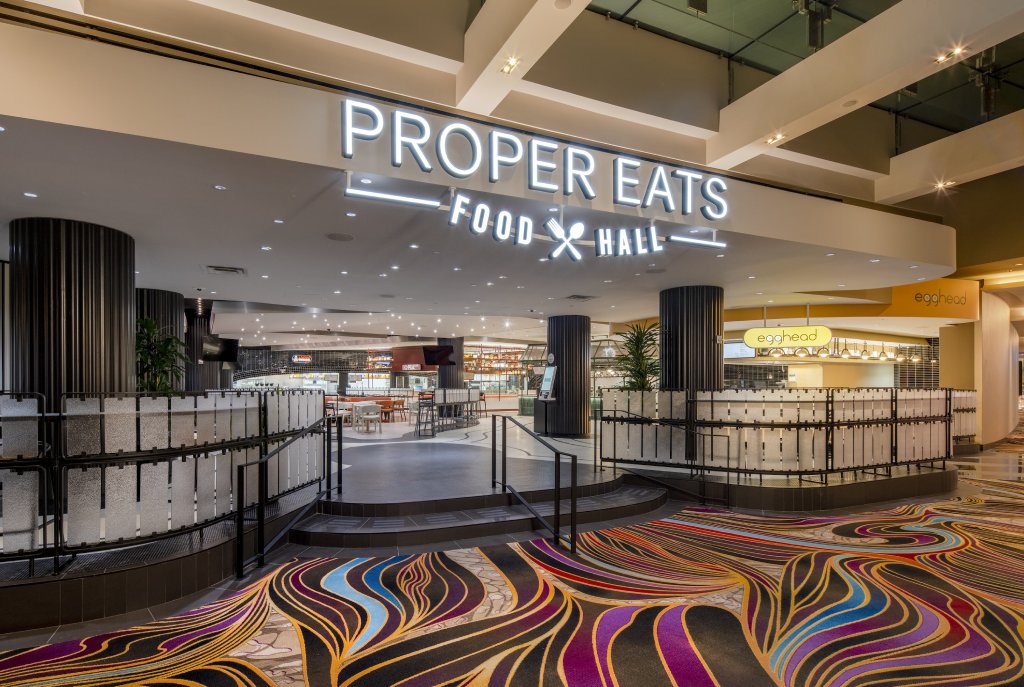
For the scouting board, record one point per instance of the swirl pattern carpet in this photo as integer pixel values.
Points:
(928, 594)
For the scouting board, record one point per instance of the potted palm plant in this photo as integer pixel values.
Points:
(159, 358)
(639, 358)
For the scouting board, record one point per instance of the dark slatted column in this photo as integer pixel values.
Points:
(569, 343)
(199, 376)
(692, 328)
(5, 325)
(452, 376)
(72, 308)
(167, 309)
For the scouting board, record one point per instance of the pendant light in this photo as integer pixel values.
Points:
(845, 353)
(802, 352)
(823, 352)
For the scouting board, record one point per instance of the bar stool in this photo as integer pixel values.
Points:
(426, 416)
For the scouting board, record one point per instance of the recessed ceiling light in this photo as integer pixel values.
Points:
(720, 255)
(476, 301)
(214, 293)
(2, 129)
(957, 51)
(29, 194)
(830, 255)
(775, 138)
(456, 269)
(542, 259)
(510, 65)
(414, 245)
(913, 267)
(607, 281)
(553, 209)
(943, 184)
(344, 272)
(266, 248)
(520, 287)
(364, 180)
(759, 293)
(383, 274)
(337, 292)
(394, 267)
(264, 276)
(875, 260)
(350, 214)
(695, 231)
(921, 278)
(841, 285)
(502, 276)
(752, 277)
(220, 187)
(278, 221)
(490, 283)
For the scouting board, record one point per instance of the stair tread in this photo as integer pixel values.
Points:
(624, 496)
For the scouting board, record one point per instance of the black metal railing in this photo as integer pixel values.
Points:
(555, 526)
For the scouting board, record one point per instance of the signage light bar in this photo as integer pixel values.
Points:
(698, 242)
(407, 200)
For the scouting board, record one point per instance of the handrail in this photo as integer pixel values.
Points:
(554, 528)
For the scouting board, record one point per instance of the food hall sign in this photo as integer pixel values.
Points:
(787, 337)
(459, 151)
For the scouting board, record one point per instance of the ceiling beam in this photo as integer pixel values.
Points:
(896, 48)
(510, 30)
(981, 151)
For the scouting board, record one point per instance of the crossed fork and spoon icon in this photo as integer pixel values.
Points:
(558, 232)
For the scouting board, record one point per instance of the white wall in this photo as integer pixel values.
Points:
(996, 346)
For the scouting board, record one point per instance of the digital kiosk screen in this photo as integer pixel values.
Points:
(548, 382)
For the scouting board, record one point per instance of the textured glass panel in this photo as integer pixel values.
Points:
(223, 417)
(183, 421)
(82, 426)
(119, 425)
(237, 416)
(154, 423)
(295, 414)
(83, 495)
(121, 519)
(19, 506)
(153, 499)
(274, 475)
(252, 476)
(317, 460)
(314, 402)
(223, 461)
(252, 415)
(183, 492)
(205, 484)
(20, 420)
(206, 409)
(273, 412)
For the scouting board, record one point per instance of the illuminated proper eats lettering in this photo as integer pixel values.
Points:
(938, 298)
(461, 151)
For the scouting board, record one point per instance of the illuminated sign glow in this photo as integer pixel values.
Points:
(778, 337)
(461, 151)
(302, 358)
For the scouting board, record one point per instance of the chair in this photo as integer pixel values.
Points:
(366, 415)
(399, 408)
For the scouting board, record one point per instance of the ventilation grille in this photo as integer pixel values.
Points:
(578, 297)
(222, 269)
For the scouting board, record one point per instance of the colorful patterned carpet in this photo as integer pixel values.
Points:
(916, 595)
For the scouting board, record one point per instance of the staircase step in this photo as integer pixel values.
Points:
(351, 508)
(323, 529)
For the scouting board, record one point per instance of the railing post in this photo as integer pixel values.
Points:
(240, 522)
(261, 513)
(558, 497)
(494, 450)
(326, 458)
(572, 506)
(504, 453)
(596, 414)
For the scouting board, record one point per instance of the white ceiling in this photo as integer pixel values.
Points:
(163, 194)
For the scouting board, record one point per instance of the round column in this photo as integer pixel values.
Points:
(167, 309)
(72, 308)
(692, 328)
(452, 376)
(569, 350)
(199, 376)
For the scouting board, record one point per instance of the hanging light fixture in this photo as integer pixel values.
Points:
(865, 354)
(802, 352)
(823, 352)
(915, 358)
(845, 353)
(775, 353)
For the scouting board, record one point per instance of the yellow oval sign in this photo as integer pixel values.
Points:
(787, 337)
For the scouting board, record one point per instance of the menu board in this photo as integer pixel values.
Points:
(547, 382)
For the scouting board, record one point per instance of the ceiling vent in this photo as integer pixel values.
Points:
(224, 270)
(577, 297)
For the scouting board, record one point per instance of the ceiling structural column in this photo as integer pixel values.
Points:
(692, 331)
(568, 414)
(501, 45)
(452, 376)
(72, 308)
(167, 309)
(199, 376)
(900, 46)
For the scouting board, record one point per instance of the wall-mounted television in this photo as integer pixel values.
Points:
(438, 355)
(216, 349)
